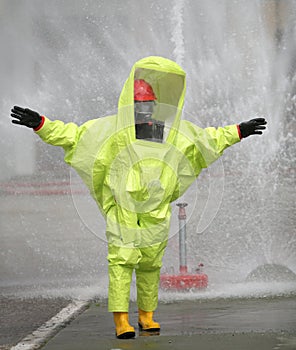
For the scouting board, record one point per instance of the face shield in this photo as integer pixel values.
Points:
(147, 127)
(157, 96)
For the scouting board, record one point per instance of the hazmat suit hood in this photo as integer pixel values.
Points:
(167, 80)
(141, 177)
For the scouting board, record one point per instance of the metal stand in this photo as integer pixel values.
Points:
(183, 281)
(182, 238)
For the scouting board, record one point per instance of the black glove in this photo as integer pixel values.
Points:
(252, 127)
(25, 116)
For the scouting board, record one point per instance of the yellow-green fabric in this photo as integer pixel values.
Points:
(146, 262)
(134, 181)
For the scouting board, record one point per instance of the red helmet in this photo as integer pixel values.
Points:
(143, 91)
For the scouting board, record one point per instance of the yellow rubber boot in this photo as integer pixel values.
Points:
(146, 322)
(123, 329)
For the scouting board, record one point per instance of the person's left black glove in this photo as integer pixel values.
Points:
(252, 127)
(25, 116)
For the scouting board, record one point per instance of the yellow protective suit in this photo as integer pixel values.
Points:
(134, 181)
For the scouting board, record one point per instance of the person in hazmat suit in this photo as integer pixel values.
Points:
(135, 163)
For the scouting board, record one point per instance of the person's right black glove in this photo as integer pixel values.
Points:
(25, 116)
(252, 127)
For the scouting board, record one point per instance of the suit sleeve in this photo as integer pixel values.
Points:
(223, 137)
(209, 143)
(58, 133)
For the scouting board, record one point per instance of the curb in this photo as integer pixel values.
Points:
(41, 335)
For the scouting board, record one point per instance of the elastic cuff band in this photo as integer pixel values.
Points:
(41, 124)
(239, 132)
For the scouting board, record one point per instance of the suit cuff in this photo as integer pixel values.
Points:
(239, 132)
(41, 124)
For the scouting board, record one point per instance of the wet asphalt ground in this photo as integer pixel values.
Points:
(209, 324)
(257, 324)
(19, 317)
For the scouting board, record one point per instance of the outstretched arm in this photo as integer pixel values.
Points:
(55, 133)
(211, 142)
(222, 138)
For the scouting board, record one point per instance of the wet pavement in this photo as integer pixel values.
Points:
(18, 317)
(208, 324)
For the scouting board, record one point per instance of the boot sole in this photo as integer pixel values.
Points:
(126, 335)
